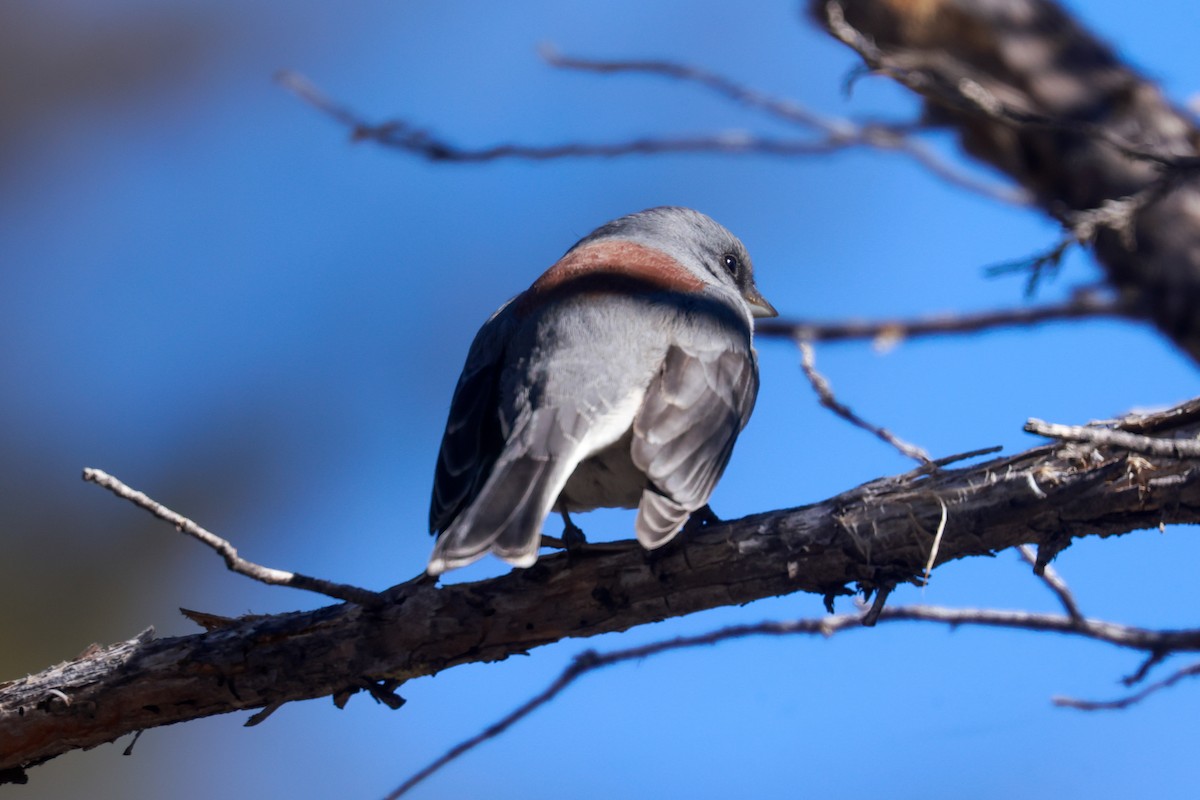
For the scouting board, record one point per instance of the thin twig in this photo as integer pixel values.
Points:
(955, 458)
(1147, 445)
(825, 394)
(128, 751)
(1052, 579)
(891, 331)
(582, 663)
(785, 110)
(236, 563)
(1113, 633)
(1038, 266)
(844, 132)
(1151, 661)
(882, 593)
(1125, 702)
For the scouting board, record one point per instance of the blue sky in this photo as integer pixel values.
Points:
(210, 293)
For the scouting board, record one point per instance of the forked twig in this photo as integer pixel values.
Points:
(277, 577)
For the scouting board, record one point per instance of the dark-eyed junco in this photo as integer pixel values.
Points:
(620, 378)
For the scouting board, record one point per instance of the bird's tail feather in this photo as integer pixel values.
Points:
(659, 519)
(496, 522)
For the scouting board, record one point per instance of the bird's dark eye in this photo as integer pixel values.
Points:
(732, 264)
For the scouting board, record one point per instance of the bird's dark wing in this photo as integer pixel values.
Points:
(683, 436)
(473, 439)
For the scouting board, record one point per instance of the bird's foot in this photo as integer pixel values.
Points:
(572, 537)
(575, 542)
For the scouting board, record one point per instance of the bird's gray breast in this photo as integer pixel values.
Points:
(589, 360)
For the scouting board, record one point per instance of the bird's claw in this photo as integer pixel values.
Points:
(572, 537)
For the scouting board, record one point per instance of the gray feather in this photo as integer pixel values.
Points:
(659, 519)
(684, 434)
(506, 516)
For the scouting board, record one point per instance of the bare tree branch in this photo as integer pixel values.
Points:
(842, 131)
(871, 538)
(1121, 178)
(1053, 580)
(888, 332)
(1091, 141)
(277, 577)
(1147, 445)
(825, 394)
(834, 134)
(590, 660)
(1125, 702)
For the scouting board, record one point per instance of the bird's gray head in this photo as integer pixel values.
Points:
(695, 240)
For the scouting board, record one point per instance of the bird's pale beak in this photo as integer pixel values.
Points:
(759, 307)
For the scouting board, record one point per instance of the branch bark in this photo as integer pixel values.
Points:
(1031, 92)
(872, 537)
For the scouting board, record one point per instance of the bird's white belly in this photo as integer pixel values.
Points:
(608, 479)
(606, 476)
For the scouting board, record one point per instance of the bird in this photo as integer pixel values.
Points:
(620, 378)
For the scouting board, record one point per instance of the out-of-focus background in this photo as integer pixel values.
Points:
(207, 291)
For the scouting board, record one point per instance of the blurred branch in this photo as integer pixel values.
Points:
(870, 538)
(843, 132)
(782, 109)
(1038, 265)
(1190, 671)
(889, 332)
(972, 96)
(276, 577)
(833, 135)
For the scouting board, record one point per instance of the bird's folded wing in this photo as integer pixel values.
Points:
(684, 433)
(473, 438)
(506, 518)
